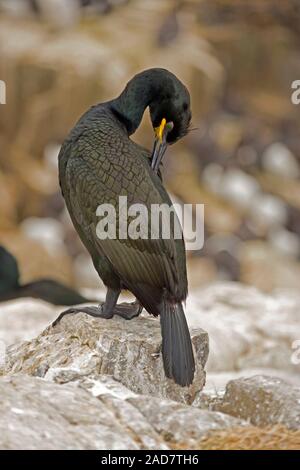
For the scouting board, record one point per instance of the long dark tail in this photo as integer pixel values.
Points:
(177, 348)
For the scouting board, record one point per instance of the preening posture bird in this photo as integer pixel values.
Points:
(98, 162)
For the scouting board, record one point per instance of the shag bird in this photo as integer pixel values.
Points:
(49, 290)
(98, 162)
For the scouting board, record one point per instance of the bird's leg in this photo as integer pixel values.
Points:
(106, 310)
(128, 310)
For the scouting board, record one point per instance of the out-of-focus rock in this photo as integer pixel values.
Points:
(278, 159)
(212, 176)
(219, 215)
(263, 401)
(227, 132)
(286, 189)
(216, 381)
(285, 242)
(267, 211)
(224, 249)
(47, 262)
(261, 328)
(24, 319)
(85, 272)
(8, 199)
(46, 231)
(201, 271)
(51, 152)
(246, 156)
(15, 7)
(61, 13)
(267, 268)
(238, 188)
(127, 350)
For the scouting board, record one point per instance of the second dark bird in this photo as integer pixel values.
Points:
(48, 290)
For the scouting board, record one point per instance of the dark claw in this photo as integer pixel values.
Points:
(128, 310)
(92, 311)
(124, 310)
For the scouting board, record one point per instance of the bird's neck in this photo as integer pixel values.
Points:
(138, 94)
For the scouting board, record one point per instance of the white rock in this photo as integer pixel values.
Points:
(61, 13)
(279, 160)
(268, 210)
(15, 42)
(216, 381)
(238, 187)
(47, 231)
(51, 152)
(212, 176)
(23, 319)
(15, 7)
(247, 329)
(286, 242)
(86, 274)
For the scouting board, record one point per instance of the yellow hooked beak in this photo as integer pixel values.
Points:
(159, 131)
(160, 144)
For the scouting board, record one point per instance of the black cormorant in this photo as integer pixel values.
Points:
(98, 162)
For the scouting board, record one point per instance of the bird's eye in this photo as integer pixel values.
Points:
(185, 106)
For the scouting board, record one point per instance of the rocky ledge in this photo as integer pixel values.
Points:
(129, 351)
(97, 414)
(99, 384)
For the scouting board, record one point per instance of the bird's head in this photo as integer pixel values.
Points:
(171, 116)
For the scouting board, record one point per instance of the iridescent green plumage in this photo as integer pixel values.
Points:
(98, 163)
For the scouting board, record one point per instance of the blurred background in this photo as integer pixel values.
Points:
(242, 160)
